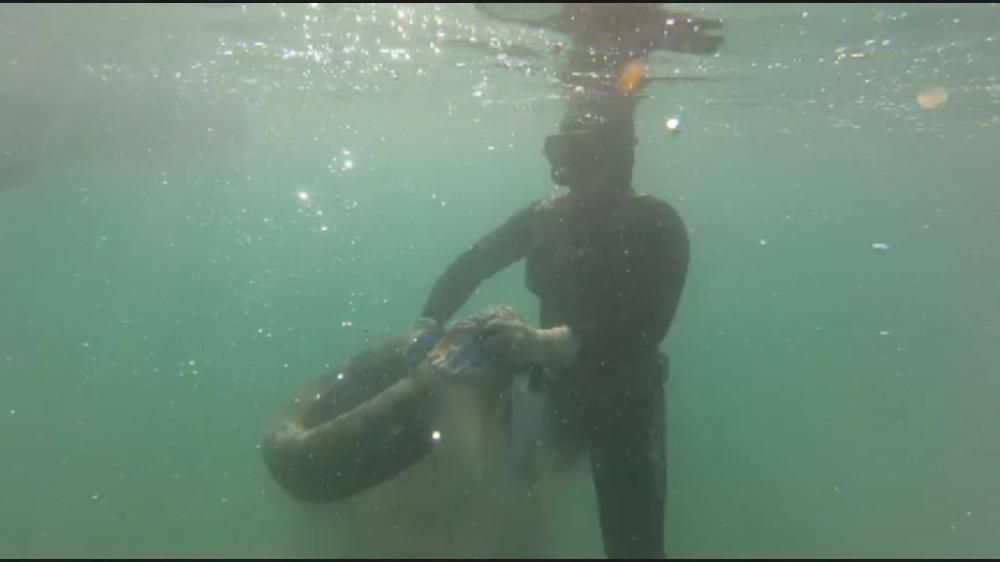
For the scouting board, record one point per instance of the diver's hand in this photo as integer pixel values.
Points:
(523, 344)
(425, 334)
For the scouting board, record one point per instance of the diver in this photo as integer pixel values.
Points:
(608, 265)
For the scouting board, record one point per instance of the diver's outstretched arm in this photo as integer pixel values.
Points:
(485, 258)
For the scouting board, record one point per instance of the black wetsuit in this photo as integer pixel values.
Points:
(614, 273)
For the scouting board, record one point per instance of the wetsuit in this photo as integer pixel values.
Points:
(613, 271)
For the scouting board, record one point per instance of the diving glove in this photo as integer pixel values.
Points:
(425, 335)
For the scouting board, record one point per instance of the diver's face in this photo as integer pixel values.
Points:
(584, 162)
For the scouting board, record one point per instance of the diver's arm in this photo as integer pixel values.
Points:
(524, 344)
(556, 347)
(485, 258)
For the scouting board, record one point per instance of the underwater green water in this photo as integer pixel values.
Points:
(203, 207)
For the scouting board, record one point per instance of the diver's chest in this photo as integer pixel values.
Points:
(561, 256)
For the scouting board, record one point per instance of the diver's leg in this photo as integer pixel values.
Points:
(628, 459)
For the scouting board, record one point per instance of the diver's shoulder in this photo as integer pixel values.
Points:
(648, 198)
(658, 213)
(550, 203)
(654, 204)
(538, 210)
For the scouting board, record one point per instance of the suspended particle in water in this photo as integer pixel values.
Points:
(436, 436)
(932, 98)
(673, 125)
(881, 247)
